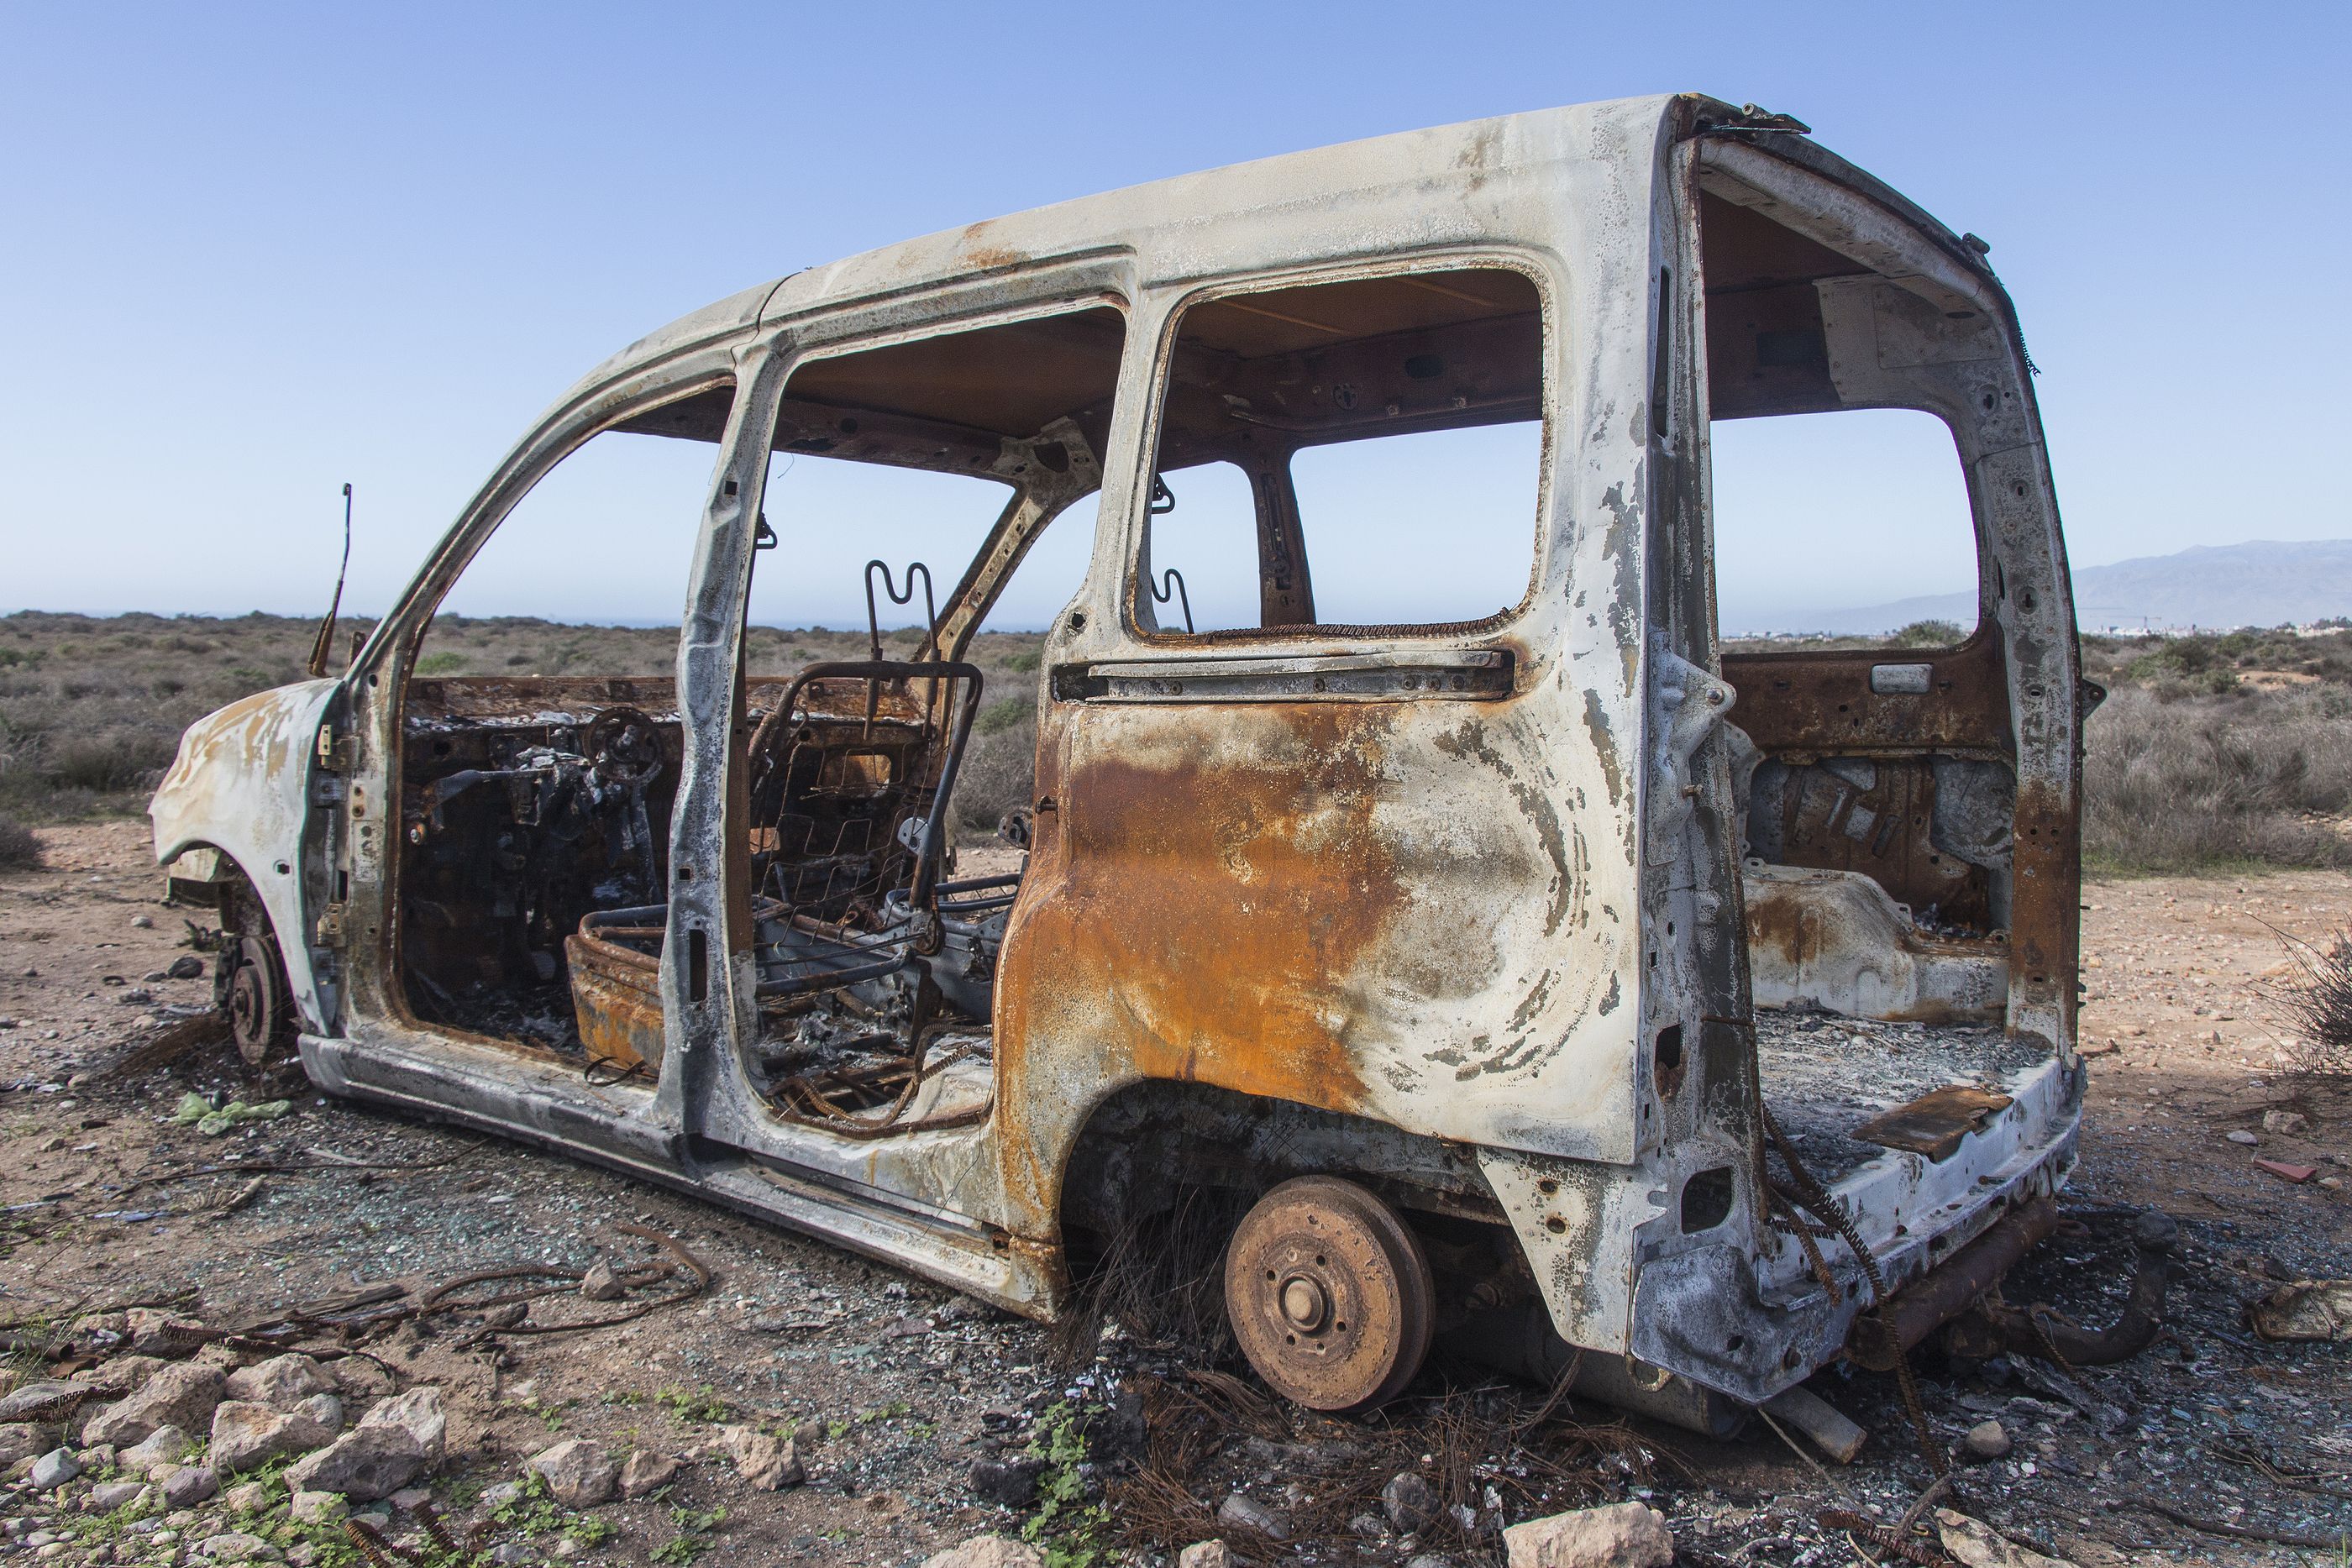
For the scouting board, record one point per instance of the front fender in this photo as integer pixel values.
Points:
(241, 784)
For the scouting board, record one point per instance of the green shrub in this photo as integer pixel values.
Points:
(1003, 714)
(1930, 635)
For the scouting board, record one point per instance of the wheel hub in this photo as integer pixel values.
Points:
(1306, 1304)
(256, 1001)
(1328, 1294)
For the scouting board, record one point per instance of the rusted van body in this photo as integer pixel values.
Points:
(1507, 932)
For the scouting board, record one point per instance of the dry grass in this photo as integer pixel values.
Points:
(2212, 752)
(2317, 1003)
(20, 847)
(1492, 1456)
(2218, 752)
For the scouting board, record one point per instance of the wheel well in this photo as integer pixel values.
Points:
(1146, 1141)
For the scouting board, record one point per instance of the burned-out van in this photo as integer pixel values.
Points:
(1529, 962)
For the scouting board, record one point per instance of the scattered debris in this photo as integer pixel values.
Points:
(2286, 1171)
(212, 1121)
(1817, 1418)
(1977, 1546)
(2312, 1310)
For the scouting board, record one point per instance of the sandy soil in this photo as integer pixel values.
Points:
(897, 1389)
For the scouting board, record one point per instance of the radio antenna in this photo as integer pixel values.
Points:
(327, 628)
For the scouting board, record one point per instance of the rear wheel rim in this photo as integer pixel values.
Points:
(1330, 1295)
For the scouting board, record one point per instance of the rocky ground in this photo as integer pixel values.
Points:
(817, 1406)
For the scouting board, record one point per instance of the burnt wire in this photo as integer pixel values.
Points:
(1803, 1191)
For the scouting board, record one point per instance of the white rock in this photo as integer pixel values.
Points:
(1251, 1514)
(281, 1383)
(184, 1486)
(501, 1495)
(1976, 1546)
(23, 1439)
(316, 1508)
(645, 1471)
(1622, 1535)
(1987, 1440)
(363, 1464)
(54, 1469)
(599, 1284)
(578, 1473)
(2293, 1123)
(1205, 1555)
(418, 1413)
(769, 1463)
(108, 1496)
(181, 1395)
(247, 1435)
(2239, 1136)
(988, 1551)
(247, 1497)
(165, 1445)
(235, 1546)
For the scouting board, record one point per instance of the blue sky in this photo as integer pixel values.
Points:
(253, 252)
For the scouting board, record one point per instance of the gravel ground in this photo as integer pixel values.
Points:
(896, 1390)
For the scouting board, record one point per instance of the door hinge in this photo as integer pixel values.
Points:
(334, 751)
(331, 926)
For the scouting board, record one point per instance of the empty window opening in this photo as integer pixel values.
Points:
(1846, 530)
(1364, 454)
(541, 741)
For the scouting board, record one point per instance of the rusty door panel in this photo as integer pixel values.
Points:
(1379, 908)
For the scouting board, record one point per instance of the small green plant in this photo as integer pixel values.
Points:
(1066, 1527)
(445, 662)
(532, 1512)
(588, 1530)
(693, 1538)
(1024, 662)
(702, 1407)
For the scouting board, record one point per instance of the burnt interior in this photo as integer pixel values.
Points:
(536, 813)
(1897, 764)
(1255, 378)
(526, 804)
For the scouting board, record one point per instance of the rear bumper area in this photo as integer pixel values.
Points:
(1749, 1321)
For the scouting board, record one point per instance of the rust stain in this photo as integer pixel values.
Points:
(2044, 923)
(1814, 702)
(616, 995)
(1207, 924)
(979, 254)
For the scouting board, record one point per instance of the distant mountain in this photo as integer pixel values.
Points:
(2262, 582)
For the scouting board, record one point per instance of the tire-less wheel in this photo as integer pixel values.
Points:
(1330, 1295)
(260, 1010)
